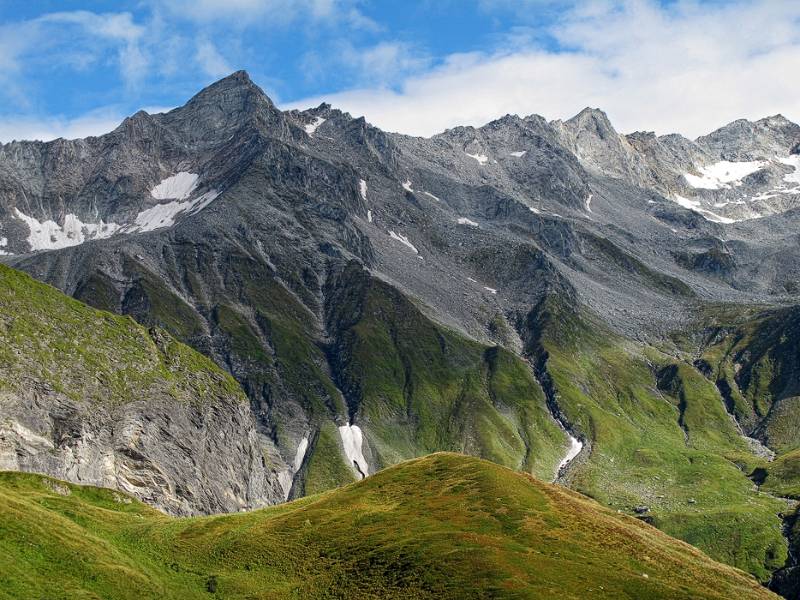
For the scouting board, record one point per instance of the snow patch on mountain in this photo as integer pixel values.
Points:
(407, 186)
(792, 161)
(49, 235)
(369, 216)
(403, 240)
(300, 454)
(177, 187)
(362, 189)
(481, 158)
(163, 215)
(519, 153)
(575, 447)
(722, 174)
(286, 477)
(314, 125)
(465, 221)
(695, 206)
(352, 441)
(490, 290)
(432, 196)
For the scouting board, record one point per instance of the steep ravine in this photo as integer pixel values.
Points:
(576, 445)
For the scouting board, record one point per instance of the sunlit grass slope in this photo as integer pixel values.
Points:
(442, 526)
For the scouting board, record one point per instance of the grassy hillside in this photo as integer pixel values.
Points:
(443, 526)
(661, 440)
(94, 356)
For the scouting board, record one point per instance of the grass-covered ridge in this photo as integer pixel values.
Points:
(443, 526)
(661, 439)
(94, 356)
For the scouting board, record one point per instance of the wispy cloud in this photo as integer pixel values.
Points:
(93, 123)
(266, 13)
(381, 64)
(30, 128)
(686, 67)
(210, 60)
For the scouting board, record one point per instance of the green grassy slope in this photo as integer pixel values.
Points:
(660, 438)
(94, 356)
(755, 360)
(443, 526)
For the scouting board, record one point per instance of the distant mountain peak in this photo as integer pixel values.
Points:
(591, 115)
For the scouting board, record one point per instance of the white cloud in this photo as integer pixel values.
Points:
(210, 60)
(76, 39)
(95, 122)
(266, 12)
(116, 28)
(688, 68)
(381, 64)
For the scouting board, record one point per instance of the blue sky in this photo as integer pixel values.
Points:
(73, 68)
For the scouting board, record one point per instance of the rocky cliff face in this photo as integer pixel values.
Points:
(96, 399)
(513, 291)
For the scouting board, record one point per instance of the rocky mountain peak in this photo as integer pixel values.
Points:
(593, 139)
(744, 140)
(236, 84)
(593, 120)
(227, 105)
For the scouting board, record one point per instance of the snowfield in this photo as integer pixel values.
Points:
(49, 235)
(178, 187)
(722, 174)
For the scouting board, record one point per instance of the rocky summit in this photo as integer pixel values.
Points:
(313, 300)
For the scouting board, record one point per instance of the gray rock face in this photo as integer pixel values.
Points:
(744, 140)
(179, 458)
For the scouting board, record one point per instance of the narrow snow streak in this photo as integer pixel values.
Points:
(403, 240)
(519, 153)
(589, 203)
(575, 447)
(465, 221)
(369, 216)
(352, 440)
(300, 454)
(362, 189)
(286, 477)
(695, 206)
(490, 290)
(432, 196)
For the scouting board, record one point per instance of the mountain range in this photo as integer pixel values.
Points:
(271, 304)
